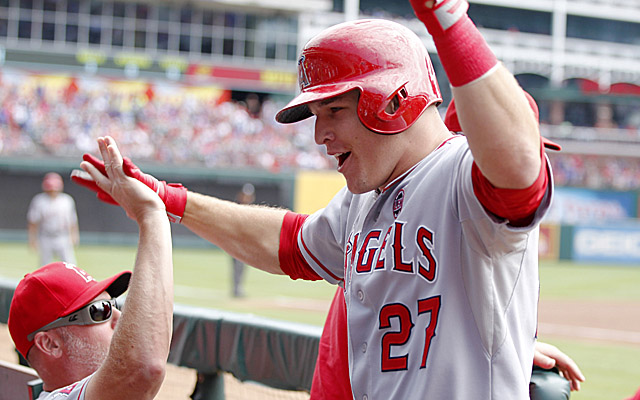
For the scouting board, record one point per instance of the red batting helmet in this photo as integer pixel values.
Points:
(381, 59)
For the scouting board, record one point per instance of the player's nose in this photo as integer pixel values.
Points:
(323, 132)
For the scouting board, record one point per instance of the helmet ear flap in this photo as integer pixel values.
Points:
(393, 113)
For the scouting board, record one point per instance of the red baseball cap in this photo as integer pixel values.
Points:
(453, 124)
(52, 182)
(51, 292)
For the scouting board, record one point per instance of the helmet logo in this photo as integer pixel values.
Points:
(303, 77)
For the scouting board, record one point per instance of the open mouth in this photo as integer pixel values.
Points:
(342, 157)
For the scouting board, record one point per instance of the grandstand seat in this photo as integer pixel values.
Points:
(18, 382)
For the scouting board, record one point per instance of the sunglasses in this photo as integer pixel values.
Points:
(96, 312)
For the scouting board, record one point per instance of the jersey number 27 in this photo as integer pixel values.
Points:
(429, 306)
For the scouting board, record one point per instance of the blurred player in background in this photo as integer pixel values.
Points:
(434, 239)
(66, 325)
(53, 222)
(246, 195)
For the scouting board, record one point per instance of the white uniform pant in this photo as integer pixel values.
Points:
(59, 246)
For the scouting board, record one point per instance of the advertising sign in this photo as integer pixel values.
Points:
(609, 243)
(577, 205)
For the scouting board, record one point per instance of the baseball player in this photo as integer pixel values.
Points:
(434, 238)
(331, 375)
(53, 221)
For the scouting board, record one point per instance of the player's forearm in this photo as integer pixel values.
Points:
(501, 129)
(74, 233)
(141, 342)
(250, 233)
(33, 233)
(152, 286)
(493, 111)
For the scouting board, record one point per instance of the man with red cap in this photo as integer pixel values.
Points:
(65, 323)
(53, 222)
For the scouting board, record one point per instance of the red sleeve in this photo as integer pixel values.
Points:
(636, 397)
(516, 205)
(292, 262)
(331, 376)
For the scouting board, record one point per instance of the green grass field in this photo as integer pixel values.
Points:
(612, 371)
(203, 278)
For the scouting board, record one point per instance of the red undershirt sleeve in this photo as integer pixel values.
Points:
(292, 262)
(515, 205)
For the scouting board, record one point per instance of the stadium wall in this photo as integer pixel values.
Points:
(20, 180)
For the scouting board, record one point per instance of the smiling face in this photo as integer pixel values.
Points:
(367, 160)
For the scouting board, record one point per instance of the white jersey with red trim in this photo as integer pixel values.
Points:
(75, 391)
(441, 295)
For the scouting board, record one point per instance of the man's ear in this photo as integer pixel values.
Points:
(49, 344)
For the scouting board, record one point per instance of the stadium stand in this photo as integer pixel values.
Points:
(161, 122)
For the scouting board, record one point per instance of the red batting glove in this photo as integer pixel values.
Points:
(174, 195)
(83, 178)
(439, 15)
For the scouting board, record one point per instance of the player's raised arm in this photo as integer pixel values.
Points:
(494, 114)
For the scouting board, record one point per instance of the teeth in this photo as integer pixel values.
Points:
(339, 155)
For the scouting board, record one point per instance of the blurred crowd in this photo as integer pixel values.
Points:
(61, 117)
(155, 124)
(596, 172)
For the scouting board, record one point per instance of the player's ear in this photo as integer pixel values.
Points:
(48, 343)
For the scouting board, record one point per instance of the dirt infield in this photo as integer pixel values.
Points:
(597, 321)
(600, 321)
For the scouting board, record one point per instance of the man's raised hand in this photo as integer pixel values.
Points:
(173, 195)
(113, 185)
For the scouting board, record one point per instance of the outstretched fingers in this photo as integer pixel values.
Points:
(547, 356)
(111, 156)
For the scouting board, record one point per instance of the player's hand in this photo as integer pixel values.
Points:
(173, 195)
(439, 15)
(132, 195)
(548, 356)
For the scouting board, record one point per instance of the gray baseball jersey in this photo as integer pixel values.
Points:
(441, 295)
(54, 217)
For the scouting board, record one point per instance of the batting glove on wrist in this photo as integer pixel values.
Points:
(439, 15)
(173, 195)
